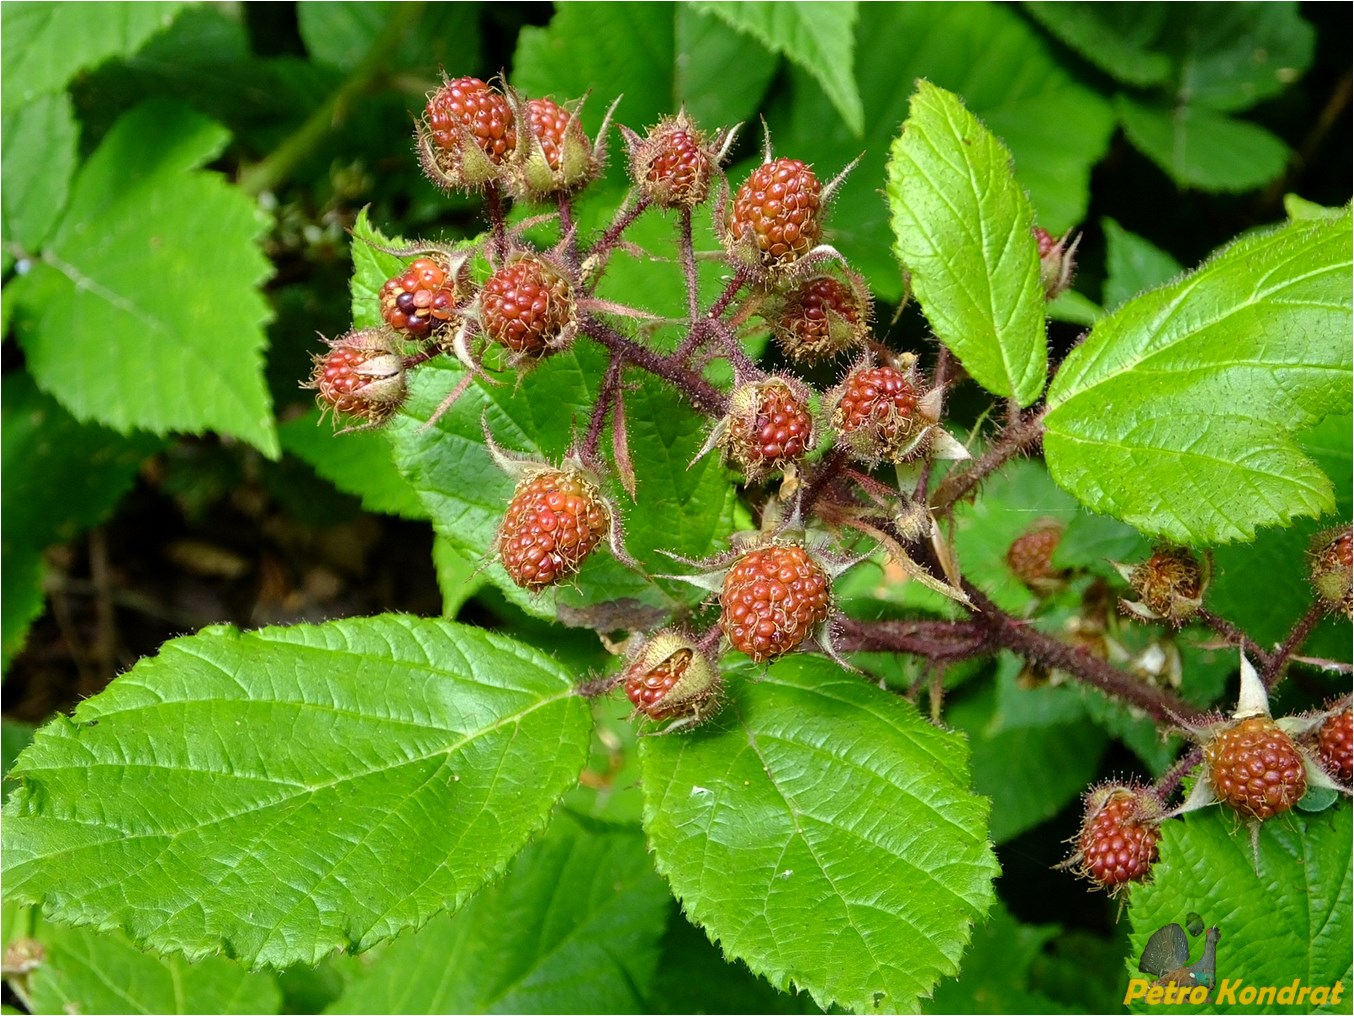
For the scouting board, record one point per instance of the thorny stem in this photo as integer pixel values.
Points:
(1234, 636)
(1274, 671)
(1014, 440)
(936, 640)
(567, 230)
(827, 470)
(1165, 787)
(498, 223)
(606, 243)
(725, 298)
(422, 356)
(705, 396)
(606, 396)
(687, 251)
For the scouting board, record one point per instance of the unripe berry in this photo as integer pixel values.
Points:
(556, 156)
(1255, 768)
(1170, 584)
(361, 375)
(776, 212)
(468, 104)
(555, 519)
(1031, 556)
(671, 679)
(420, 299)
(1335, 746)
(1118, 839)
(880, 413)
(527, 307)
(1057, 262)
(819, 318)
(769, 425)
(673, 164)
(772, 600)
(1332, 576)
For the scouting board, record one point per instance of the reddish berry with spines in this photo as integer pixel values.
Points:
(554, 154)
(1030, 556)
(1255, 768)
(669, 678)
(769, 425)
(361, 375)
(1119, 835)
(1332, 569)
(1335, 746)
(772, 600)
(674, 163)
(776, 211)
(555, 519)
(1170, 585)
(468, 104)
(527, 307)
(1057, 261)
(881, 413)
(420, 299)
(550, 122)
(819, 318)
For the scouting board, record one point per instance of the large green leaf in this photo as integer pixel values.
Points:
(962, 227)
(58, 477)
(825, 834)
(1198, 147)
(1176, 414)
(1117, 38)
(1132, 264)
(1010, 76)
(86, 971)
(1287, 916)
(142, 308)
(47, 44)
(574, 926)
(817, 36)
(39, 158)
(276, 795)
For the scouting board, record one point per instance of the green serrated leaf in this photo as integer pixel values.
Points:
(814, 793)
(86, 971)
(719, 76)
(1286, 917)
(38, 160)
(458, 575)
(143, 309)
(962, 228)
(358, 464)
(47, 44)
(817, 36)
(1297, 207)
(574, 926)
(1132, 265)
(1118, 38)
(1176, 414)
(276, 795)
(58, 477)
(1198, 147)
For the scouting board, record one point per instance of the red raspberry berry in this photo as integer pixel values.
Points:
(1031, 556)
(769, 426)
(1332, 569)
(549, 123)
(1119, 834)
(1335, 746)
(554, 520)
(876, 413)
(362, 375)
(819, 318)
(671, 678)
(673, 164)
(470, 104)
(1171, 585)
(1255, 768)
(777, 210)
(420, 299)
(772, 600)
(527, 307)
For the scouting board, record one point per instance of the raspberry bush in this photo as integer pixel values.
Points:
(823, 539)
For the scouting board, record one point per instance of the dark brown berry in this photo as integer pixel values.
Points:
(876, 413)
(1332, 569)
(1031, 556)
(773, 598)
(526, 307)
(776, 210)
(1255, 768)
(362, 375)
(1335, 746)
(769, 426)
(420, 299)
(671, 678)
(468, 104)
(818, 319)
(555, 519)
(1118, 840)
